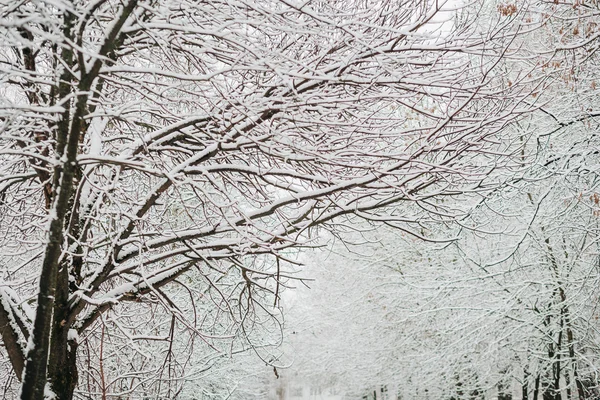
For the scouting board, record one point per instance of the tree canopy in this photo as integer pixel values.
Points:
(162, 162)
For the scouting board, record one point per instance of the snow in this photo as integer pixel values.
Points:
(327, 152)
(72, 335)
(48, 393)
(30, 345)
(96, 129)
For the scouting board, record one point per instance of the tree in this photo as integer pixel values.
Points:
(151, 149)
(510, 306)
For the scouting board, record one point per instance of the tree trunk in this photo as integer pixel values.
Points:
(63, 375)
(536, 389)
(62, 366)
(35, 377)
(525, 386)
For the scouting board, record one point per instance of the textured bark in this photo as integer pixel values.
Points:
(35, 378)
(62, 370)
(11, 342)
(63, 374)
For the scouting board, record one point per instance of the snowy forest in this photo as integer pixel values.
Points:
(299, 199)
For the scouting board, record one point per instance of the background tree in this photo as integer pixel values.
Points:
(509, 308)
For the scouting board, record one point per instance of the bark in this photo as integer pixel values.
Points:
(525, 386)
(11, 340)
(557, 368)
(571, 347)
(63, 373)
(551, 388)
(37, 357)
(536, 389)
(62, 370)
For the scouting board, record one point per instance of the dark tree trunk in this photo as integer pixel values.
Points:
(63, 375)
(525, 386)
(66, 143)
(62, 369)
(536, 388)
